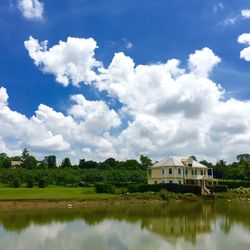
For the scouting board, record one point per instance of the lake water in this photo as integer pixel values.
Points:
(172, 226)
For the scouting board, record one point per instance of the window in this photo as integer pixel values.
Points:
(170, 182)
(192, 172)
(170, 170)
(202, 172)
(186, 172)
(179, 182)
(155, 182)
(179, 171)
(189, 164)
(149, 172)
(195, 172)
(162, 171)
(163, 181)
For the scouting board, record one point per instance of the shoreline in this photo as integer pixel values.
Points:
(46, 203)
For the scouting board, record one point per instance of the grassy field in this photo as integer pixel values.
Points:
(52, 193)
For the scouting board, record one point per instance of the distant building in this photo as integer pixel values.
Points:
(180, 170)
(16, 164)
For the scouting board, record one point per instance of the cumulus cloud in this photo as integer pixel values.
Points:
(48, 131)
(165, 109)
(70, 62)
(203, 61)
(92, 113)
(245, 39)
(31, 9)
(3, 97)
(245, 13)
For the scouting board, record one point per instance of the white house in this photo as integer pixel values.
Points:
(180, 170)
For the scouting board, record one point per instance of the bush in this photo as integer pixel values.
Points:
(218, 188)
(16, 182)
(30, 183)
(105, 188)
(235, 184)
(189, 197)
(165, 195)
(42, 183)
(133, 188)
(171, 187)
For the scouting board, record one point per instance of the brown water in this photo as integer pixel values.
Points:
(172, 226)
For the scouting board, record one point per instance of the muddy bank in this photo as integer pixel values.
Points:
(33, 204)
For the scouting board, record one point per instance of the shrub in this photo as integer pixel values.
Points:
(42, 183)
(16, 182)
(121, 190)
(189, 197)
(218, 188)
(235, 184)
(30, 183)
(165, 195)
(171, 187)
(104, 188)
(133, 188)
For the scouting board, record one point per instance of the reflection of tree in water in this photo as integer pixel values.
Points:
(183, 221)
(233, 213)
(172, 221)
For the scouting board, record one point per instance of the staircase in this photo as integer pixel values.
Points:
(206, 192)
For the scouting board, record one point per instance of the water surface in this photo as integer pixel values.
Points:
(172, 226)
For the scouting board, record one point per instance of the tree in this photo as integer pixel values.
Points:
(220, 168)
(243, 157)
(3, 157)
(81, 163)
(42, 183)
(16, 182)
(87, 164)
(16, 158)
(25, 155)
(66, 163)
(208, 164)
(110, 162)
(193, 157)
(131, 164)
(30, 162)
(6, 163)
(145, 161)
(50, 161)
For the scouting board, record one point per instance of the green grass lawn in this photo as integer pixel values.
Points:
(52, 193)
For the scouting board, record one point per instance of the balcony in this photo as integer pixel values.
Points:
(198, 177)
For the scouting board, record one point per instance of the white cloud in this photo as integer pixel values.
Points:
(48, 131)
(203, 61)
(219, 6)
(31, 9)
(71, 61)
(171, 110)
(18, 131)
(245, 39)
(128, 44)
(3, 97)
(245, 13)
(230, 20)
(92, 113)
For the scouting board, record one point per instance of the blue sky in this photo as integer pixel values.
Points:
(149, 32)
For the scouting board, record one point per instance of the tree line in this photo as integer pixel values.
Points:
(85, 172)
(107, 171)
(28, 161)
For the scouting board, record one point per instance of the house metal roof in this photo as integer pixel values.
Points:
(177, 161)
